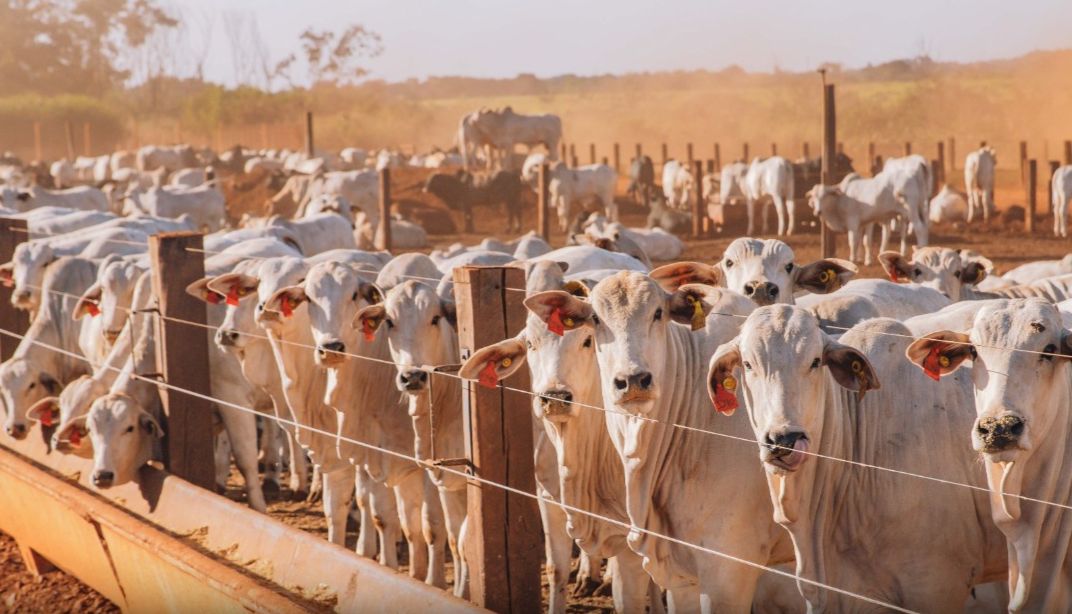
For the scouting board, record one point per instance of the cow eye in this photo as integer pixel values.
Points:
(595, 319)
(389, 323)
(658, 314)
(130, 429)
(729, 264)
(917, 272)
(1049, 351)
(260, 306)
(435, 320)
(588, 342)
(973, 353)
(956, 274)
(528, 344)
(31, 386)
(354, 297)
(747, 366)
(789, 268)
(815, 363)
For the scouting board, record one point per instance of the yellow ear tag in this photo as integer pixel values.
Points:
(698, 318)
(730, 383)
(506, 362)
(943, 360)
(568, 321)
(857, 366)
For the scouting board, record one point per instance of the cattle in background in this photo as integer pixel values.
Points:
(979, 182)
(678, 185)
(949, 205)
(642, 180)
(499, 131)
(152, 157)
(772, 177)
(461, 191)
(1060, 194)
(85, 198)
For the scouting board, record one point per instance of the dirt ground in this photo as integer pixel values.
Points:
(54, 593)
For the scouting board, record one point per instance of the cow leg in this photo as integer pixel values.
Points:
(630, 583)
(750, 208)
(434, 526)
(765, 213)
(790, 212)
(727, 588)
(299, 468)
(242, 431)
(903, 227)
(270, 457)
(385, 519)
(655, 598)
(409, 496)
(610, 206)
(779, 210)
(869, 230)
(454, 509)
(559, 549)
(683, 600)
(338, 490)
(587, 581)
(366, 532)
(221, 449)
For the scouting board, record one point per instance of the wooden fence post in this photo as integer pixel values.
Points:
(565, 153)
(617, 158)
(383, 231)
(711, 165)
(1068, 152)
(309, 133)
(689, 153)
(941, 157)
(937, 176)
(505, 545)
(574, 162)
(543, 202)
(1023, 163)
(639, 151)
(1032, 197)
(826, 237)
(666, 153)
(573, 155)
(870, 152)
(805, 150)
(718, 157)
(698, 213)
(182, 356)
(1054, 165)
(69, 133)
(12, 232)
(744, 151)
(908, 148)
(592, 153)
(773, 148)
(37, 142)
(605, 161)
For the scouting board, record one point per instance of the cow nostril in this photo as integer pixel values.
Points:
(424, 376)
(620, 383)
(772, 290)
(645, 380)
(1017, 429)
(750, 289)
(334, 346)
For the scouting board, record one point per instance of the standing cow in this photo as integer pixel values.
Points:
(1061, 192)
(979, 181)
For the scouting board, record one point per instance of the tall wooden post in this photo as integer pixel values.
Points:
(1023, 163)
(565, 153)
(573, 155)
(744, 152)
(606, 161)
(908, 148)
(805, 150)
(718, 157)
(383, 232)
(543, 202)
(698, 213)
(639, 151)
(826, 236)
(1032, 197)
(1068, 152)
(574, 163)
(937, 177)
(952, 154)
(591, 153)
(12, 232)
(309, 133)
(617, 158)
(870, 152)
(505, 538)
(37, 142)
(688, 152)
(69, 133)
(182, 356)
(666, 153)
(710, 165)
(773, 148)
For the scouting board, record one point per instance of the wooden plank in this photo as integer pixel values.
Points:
(688, 152)
(1032, 195)
(505, 542)
(718, 157)
(698, 205)
(666, 153)
(182, 355)
(309, 134)
(383, 231)
(829, 146)
(744, 152)
(35, 563)
(69, 133)
(543, 202)
(12, 232)
(617, 158)
(591, 153)
(1068, 152)
(908, 148)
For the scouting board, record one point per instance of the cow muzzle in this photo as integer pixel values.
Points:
(412, 380)
(103, 479)
(331, 353)
(227, 337)
(999, 434)
(786, 450)
(21, 299)
(762, 292)
(16, 431)
(556, 405)
(638, 387)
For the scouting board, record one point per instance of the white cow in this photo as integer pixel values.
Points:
(1060, 194)
(805, 393)
(771, 177)
(153, 157)
(191, 177)
(953, 272)
(856, 204)
(122, 436)
(360, 188)
(590, 258)
(317, 233)
(678, 185)
(765, 271)
(1039, 269)
(1022, 385)
(85, 198)
(656, 243)
(979, 182)
(205, 204)
(949, 205)
(404, 233)
(63, 174)
(569, 186)
(499, 131)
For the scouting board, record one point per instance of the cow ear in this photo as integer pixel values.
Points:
(88, 303)
(940, 353)
(24, 196)
(450, 311)
(897, 267)
(200, 290)
(850, 368)
(370, 292)
(150, 425)
(690, 304)
(234, 286)
(496, 362)
(7, 274)
(368, 320)
(285, 300)
(1066, 343)
(576, 288)
(974, 271)
(49, 383)
(75, 434)
(672, 276)
(560, 310)
(722, 379)
(46, 411)
(563, 265)
(824, 276)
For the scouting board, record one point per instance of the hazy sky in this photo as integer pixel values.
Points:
(550, 37)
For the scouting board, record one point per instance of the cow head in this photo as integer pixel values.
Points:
(28, 273)
(22, 384)
(779, 361)
(946, 270)
(238, 328)
(421, 331)
(122, 435)
(629, 317)
(72, 403)
(111, 297)
(731, 182)
(823, 200)
(764, 270)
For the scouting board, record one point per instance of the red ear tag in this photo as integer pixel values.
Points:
(92, 309)
(554, 322)
(46, 417)
(212, 298)
(932, 363)
(232, 296)
(366, 327)
(284, 306)
(488, 376)
(75, 437)
(725, 401)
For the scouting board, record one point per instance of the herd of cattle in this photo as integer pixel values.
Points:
(912, 433)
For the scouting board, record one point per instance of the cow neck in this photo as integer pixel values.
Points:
(54, 327)
(441, 400)
(1040, 540)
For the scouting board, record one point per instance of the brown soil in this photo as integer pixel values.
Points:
(54, 592)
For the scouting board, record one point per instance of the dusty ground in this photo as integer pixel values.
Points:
(54, 593)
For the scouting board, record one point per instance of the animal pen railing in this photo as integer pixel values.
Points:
(505, 544)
